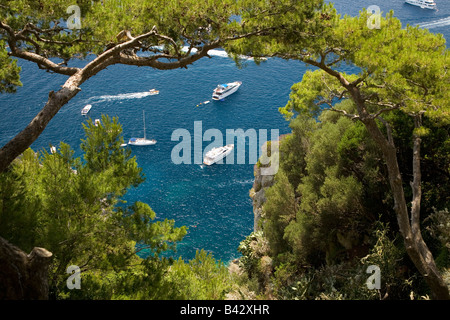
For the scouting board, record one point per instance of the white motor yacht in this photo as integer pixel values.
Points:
(424, 4)
(216, 154)
(224, 90)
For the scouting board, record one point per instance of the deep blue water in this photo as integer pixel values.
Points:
(212, 201)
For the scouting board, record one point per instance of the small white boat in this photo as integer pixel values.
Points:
(204, 102)
(424, 4)
(97, 122)
(153, 91)
(216, 154)
(142, 141)
(86, 109)
(224, 90)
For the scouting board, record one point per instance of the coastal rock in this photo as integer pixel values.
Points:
(257, 183)
(267, 181)
(258, 195)
(266, 266)
(233, 267)
(260, 184)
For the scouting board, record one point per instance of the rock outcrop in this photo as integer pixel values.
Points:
(257, 194)
(263, 181)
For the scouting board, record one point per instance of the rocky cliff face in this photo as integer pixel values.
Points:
(262, 182)
(257, 194)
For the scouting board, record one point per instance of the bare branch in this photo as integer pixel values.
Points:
(34, 57)
(417, 177)
(379, 112)
(346, 114)
(332, 108)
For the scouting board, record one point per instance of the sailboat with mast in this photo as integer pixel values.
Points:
(142, 141)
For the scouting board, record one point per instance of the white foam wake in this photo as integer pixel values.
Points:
(435, 24)
(212, 52)
(216, 53)
(122, 96)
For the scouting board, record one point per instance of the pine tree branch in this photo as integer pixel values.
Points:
(33, 57)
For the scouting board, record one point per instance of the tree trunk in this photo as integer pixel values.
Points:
(414, 243)
(27, 136)
(22, 276)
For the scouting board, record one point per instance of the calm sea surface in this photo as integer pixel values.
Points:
(212, 201)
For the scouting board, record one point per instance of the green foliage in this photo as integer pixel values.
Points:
(9, 71)
(337, 172)
(19, 208)
(389, 255)
(439, 229)
(293, 147)
(279, 210)
(331, 198)
(72, 208)
(415, 81)
(253, 248)
(202, 278)
(340, 190)
(291, 25)
(105, 23)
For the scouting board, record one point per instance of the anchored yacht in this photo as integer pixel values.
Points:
(142, 141)
(216, 154)
(224, 90)
(424, 4)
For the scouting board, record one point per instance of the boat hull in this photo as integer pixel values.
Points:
(141, 142)
(86, 109)
(207, 160)
(422, 4)
(219, 96)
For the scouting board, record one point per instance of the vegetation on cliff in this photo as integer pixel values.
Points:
(329, 215)
(361, 146)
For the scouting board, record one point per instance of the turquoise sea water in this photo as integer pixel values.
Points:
(212, 201)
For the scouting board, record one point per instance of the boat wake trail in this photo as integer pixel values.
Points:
(122, 96)
(435, 24)
(217, 53)
(212, 52)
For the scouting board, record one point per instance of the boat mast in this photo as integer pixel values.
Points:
(143, 117)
